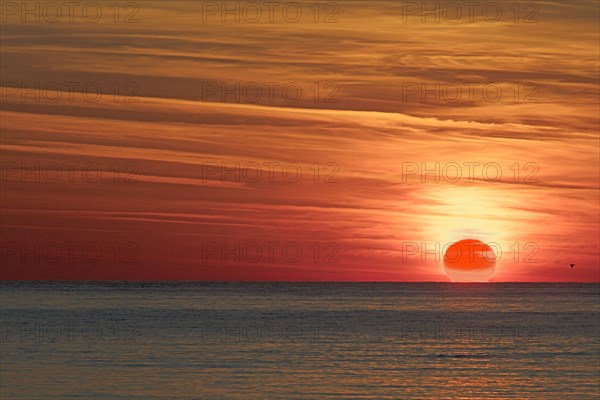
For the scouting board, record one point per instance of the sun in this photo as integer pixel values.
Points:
(470, 260)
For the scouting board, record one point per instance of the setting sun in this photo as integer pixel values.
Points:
(470, 261)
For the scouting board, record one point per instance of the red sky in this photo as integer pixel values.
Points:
(187, 201)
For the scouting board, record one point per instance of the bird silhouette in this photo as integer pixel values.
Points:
(572, 265)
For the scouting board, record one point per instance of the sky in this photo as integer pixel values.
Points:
(342, 141)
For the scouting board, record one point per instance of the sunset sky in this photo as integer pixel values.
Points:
(378, 106)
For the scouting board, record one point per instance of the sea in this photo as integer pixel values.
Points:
(242, 340)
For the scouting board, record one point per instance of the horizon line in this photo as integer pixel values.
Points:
(268, 281)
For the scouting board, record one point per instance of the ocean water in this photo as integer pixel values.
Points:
(299, 341)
